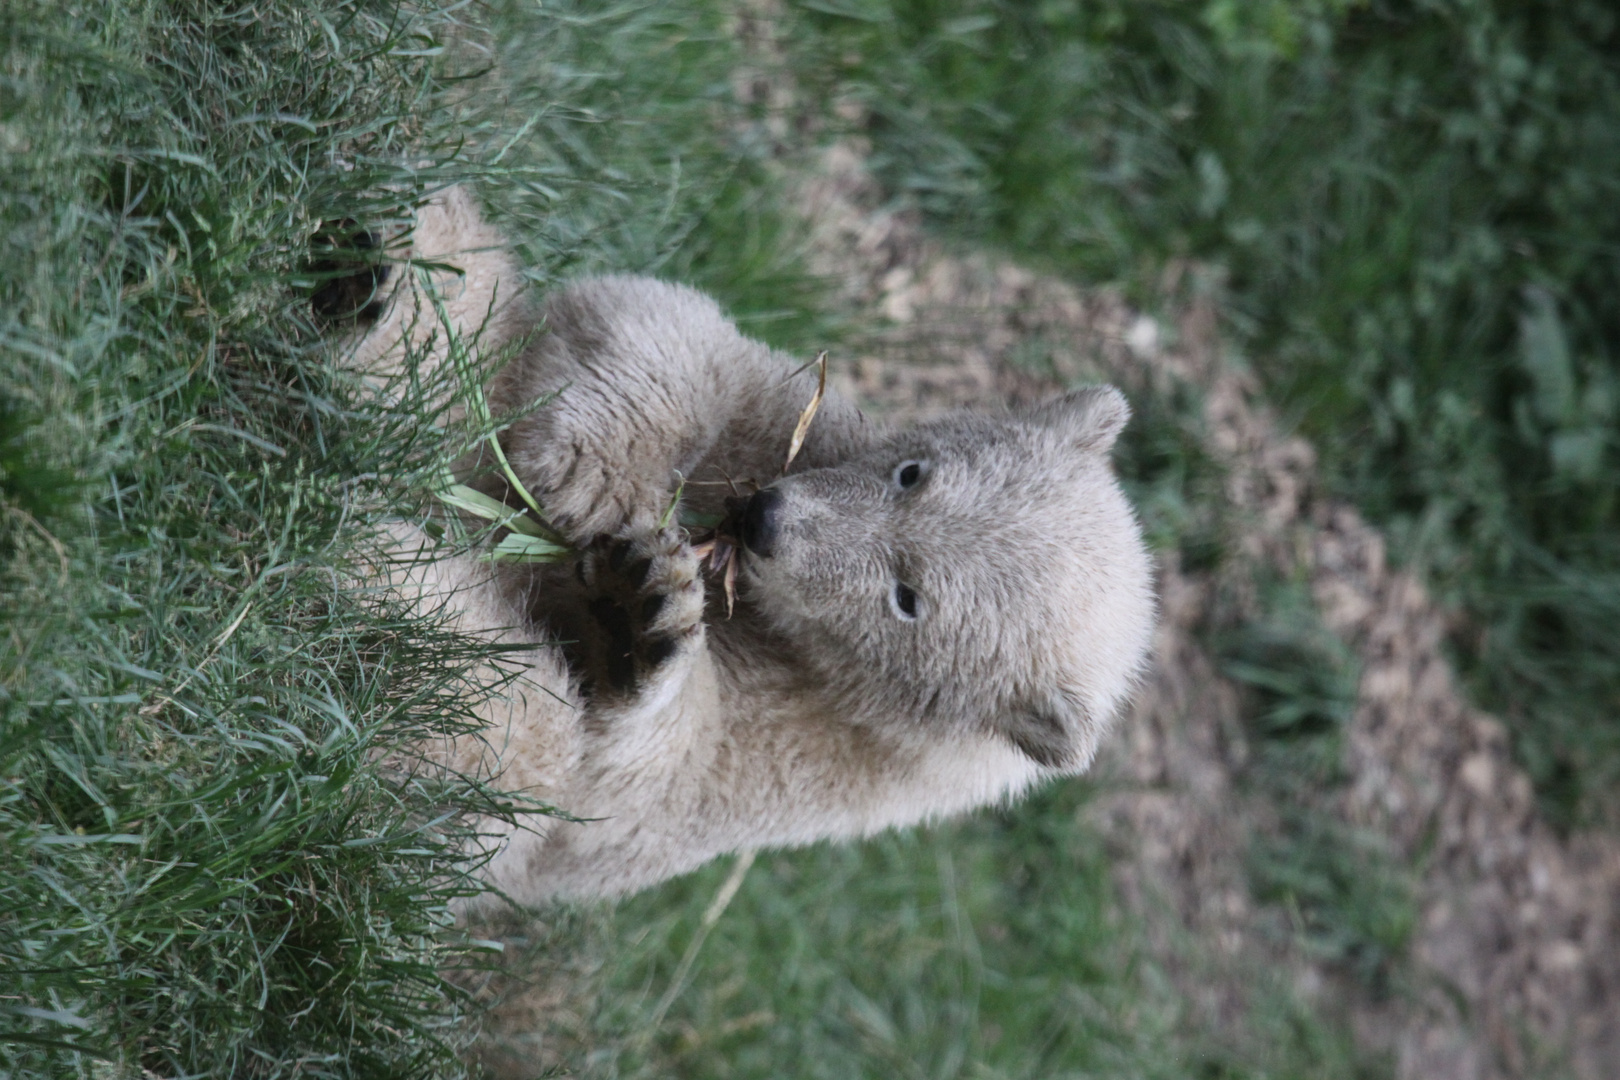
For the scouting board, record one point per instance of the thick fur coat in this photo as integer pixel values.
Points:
(926, 620)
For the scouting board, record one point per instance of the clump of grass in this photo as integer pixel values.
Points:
(1303, 677)
(1417, 206)
(218, 852)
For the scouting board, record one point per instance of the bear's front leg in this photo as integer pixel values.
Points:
(593, 469)
(642, 381)
(640, 610)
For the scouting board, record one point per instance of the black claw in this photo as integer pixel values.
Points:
(617, 554)
(650, 608)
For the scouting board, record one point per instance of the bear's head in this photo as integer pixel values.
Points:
(977, 572)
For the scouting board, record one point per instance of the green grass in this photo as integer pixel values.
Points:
(1417, 209)
(216, 855)
(632, 155)
(993, 947)
(209, 863)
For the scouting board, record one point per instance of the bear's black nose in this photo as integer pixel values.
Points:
(759, 522)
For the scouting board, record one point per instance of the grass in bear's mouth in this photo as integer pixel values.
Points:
(721, 546)
(721, 553)
(716, 539)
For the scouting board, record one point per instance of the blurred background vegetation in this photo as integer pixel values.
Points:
(1416, 206)
(204, 869)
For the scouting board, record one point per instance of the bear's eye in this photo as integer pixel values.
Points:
(907, 473)
(904, 601)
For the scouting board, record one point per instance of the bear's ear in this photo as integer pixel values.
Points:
(1092, 416)
(1044, 732)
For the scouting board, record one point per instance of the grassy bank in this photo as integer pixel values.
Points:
(205, 866)
(1417, 210)
(216, 855)
(616, 143)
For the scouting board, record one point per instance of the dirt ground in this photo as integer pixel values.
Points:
(1514, 967)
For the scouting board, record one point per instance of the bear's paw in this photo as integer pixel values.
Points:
(644, 606)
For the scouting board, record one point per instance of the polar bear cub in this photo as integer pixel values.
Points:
(925, 621)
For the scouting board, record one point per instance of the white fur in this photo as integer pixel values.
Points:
(814, 712)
